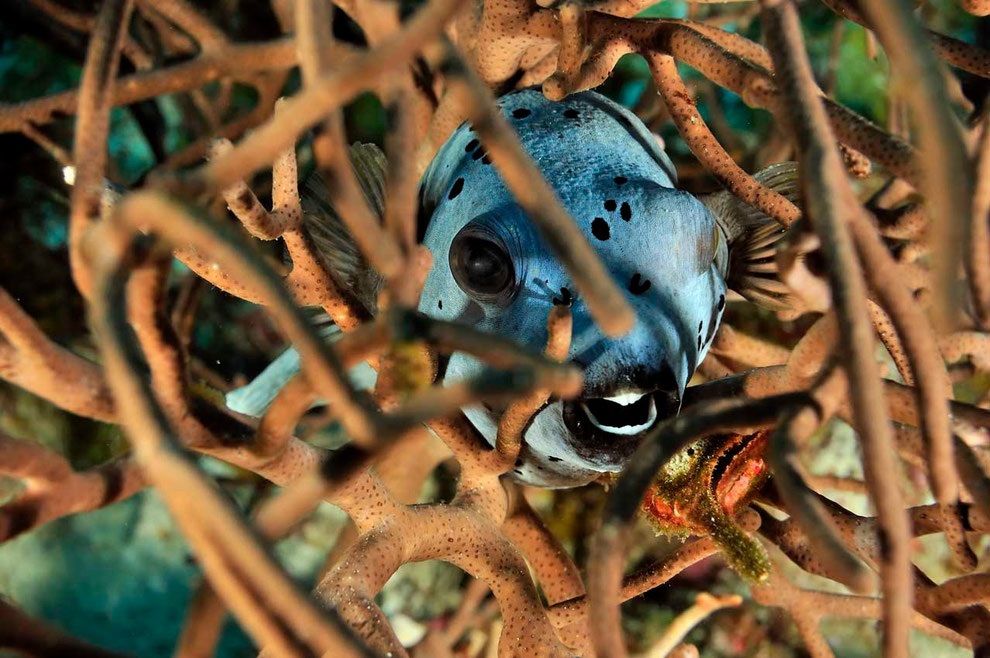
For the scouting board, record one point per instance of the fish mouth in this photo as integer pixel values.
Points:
(610, 428)
(624, 414)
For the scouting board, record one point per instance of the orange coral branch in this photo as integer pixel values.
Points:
(829, 197)
(53, 489)
(33, 362)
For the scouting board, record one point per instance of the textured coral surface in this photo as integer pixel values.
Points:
(823, 490)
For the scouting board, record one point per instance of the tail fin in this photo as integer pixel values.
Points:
(253, 399)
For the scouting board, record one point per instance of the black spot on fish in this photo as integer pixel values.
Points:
(638, 285)
(610, 204)
(519, 461)
(620, 180)
(565, 299)
(625, 211)
(700, 325)
(699, 342)
(486, 159)
(440, 304)
(554, 459)
(721, 302)
(520, 113)
(471, 146)
(478, 153)
(712, 323)
(571, 113)
(517, 471)
(600, 229)
(456, 188)
(690, 452)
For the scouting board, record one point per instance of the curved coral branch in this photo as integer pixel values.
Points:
(833, 257)
(52, 489)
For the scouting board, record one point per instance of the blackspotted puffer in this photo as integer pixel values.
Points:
(669, 250)
(674, 255)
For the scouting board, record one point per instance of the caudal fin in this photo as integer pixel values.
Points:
(253, 399)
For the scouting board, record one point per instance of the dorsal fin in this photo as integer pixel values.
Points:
(753, 239)
(343, 260)
(333, 241)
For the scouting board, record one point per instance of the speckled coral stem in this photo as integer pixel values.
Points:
(241, 570)
(947, 192)
(729, 61)
(89, 151)
(557, 574)
(809, 607)
(920, 348)
(794, 429)
(901, 400)
(978, 253)
(454, 534)
(53, 489)
(308, 108)
(858, 532)
(29, 359)
(706, 148)
(308, 281)
(175, 224)
(281, 459)
(967, 57)
(747, 350)
(829, 199)
(236, 59)
(756, 87)
(519, 413)
(190, 20)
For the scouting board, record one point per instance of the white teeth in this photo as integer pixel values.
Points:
(625, 399)
(625, 430)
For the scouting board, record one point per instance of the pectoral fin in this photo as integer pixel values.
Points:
(754, 238)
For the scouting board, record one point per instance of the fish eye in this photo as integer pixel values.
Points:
(481, 265)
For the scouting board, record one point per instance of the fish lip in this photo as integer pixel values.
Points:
(629, 402)
(597, 445)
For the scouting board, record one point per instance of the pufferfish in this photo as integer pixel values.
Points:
(674, 255)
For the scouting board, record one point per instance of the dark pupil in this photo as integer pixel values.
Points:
(484, 266)
(482, 263)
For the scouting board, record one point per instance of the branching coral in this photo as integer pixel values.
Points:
(433, 70)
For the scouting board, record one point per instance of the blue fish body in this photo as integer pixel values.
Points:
(667, 249)
(662, 245)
